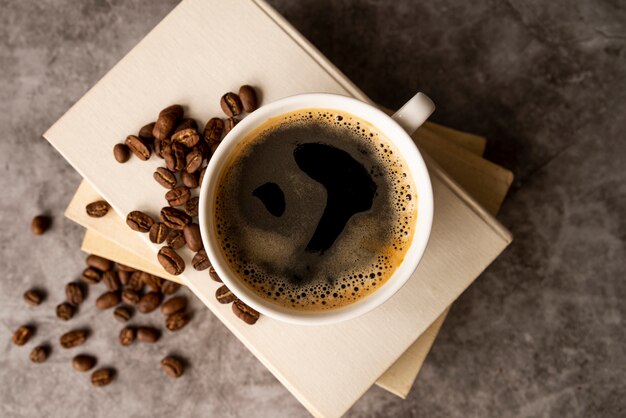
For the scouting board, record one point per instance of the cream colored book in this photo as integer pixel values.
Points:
(183, 61)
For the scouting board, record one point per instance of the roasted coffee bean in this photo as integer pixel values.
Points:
(130, 296)
(171, 261)
(201, 178)
(213, 275)
(187, 123)
(112, 281)
(73, 338)
(248, 98)
(108, 300)
(160, 145)
(97, 209)
(194, 160)
(139, 221)
(149, 302)
(165, 178)
(83, 362)
(169, 287)
(231, 104)
(168, 118)
(228, 126)
(191, 207)
(124, 276)
(188, 137)
(102, 377)
(213, 131)
(127, 335)
(99, 263)
(121, 152)
(189, 180)
(22, 334)
(122, 313)
(176, 239)
(145, 133)
(174, 218)
(138, 147)
(193, 237)
(178, 196)
(173, 367)
(200, 261)
(65, 311)
(39, 354)
(74, 294)
(153, 282)
(136, 281)
(177, 320)
(91, 275)
(40, 224)
(148, 334)
(158, 232)
(173, 305)
(224, 295)
(33, 297)
(245, 313)
(174, 155)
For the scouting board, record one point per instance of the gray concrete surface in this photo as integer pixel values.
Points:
(541, 333)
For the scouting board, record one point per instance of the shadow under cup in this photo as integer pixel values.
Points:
(239, 139)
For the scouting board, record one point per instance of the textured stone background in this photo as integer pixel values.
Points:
(541, 333)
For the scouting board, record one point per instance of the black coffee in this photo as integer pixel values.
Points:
(315, 209)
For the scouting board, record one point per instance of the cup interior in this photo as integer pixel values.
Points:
(394, 133)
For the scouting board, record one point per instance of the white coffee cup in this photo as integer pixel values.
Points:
(396, 129)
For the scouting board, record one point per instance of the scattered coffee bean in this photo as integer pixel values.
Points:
(65, 311)
(224, 295)
(190, 180)
(102, 377)
(200, 261)
(139, 221)
(191, 207)
(22, 334)
(178, 196)
(245, 313)
(231, 104)
(176, 239)
(194, 160)
(228, 126)
(169, 287)
(173, 305)
(130, 296)
(158, 232)
(136, 281)
(149, 302)
(97, 209)
(124, 276)
(83, 362)
(213, 275)
(33, 297)
(121, 152)
(98, 262)
(153, 282)
(174, 218)
(74, 293)
(213, 131)
(138, 147)
(122, 313)
(168, 118)
(73, 338)
(171, 261)
(187, 123)
(160, 145)
(127, 335)
(177, 320)
(148, 334)
(91, 275)
(108, 300)
(165, 177)
(40, 224)
(193, 237)
(174, 155)
(145, 133)
(111, 280)
(188, 137)
(173, 367)
(248, 98)
(39, 354)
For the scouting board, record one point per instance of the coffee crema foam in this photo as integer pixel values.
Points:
(269, 251)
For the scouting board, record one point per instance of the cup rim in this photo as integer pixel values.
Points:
(412, 158)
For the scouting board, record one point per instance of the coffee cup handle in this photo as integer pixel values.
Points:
(414, 112)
